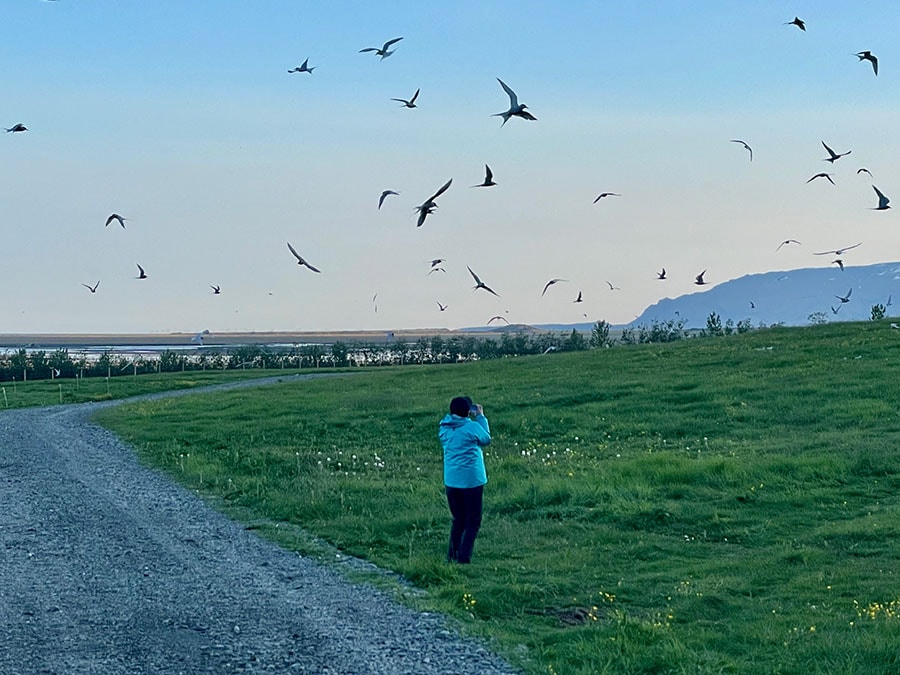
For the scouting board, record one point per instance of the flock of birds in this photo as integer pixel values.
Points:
(517, 109)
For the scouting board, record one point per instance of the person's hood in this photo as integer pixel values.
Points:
(452, 421)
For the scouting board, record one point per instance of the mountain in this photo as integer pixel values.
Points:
(788, 297)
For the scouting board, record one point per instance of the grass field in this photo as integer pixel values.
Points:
(721, 505)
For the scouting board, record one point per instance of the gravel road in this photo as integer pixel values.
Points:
(109, 567)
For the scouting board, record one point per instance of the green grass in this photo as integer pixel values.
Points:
(727, 505)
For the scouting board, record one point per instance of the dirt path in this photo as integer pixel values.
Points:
(109, 567)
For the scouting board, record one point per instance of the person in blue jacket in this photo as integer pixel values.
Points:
(463, 433)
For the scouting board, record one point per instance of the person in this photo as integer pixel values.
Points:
(463, 433)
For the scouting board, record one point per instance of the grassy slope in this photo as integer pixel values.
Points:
(719, 505)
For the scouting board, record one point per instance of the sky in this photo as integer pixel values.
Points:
(182, 117)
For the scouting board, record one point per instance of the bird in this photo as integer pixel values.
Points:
(821, 175)
(835, 310)
(549, 284)
(92, 289)
(300, 260)
(437, 261)
(428, 206)
(435, 269)
(888, 303)
(384, 196)
(579, 298)
(845, 298)
(198, 338)
(443, 308)
(516, 109)
(141, 273)
(606, 194)
(838, 251)
(385, 51)
(882, 200)
(411, 103)
(479, 283)
(839, 263)
(216, 290)
(870, 57)
(797, 22)
(488, 178)
(661, 274)
(16, 128)
(498, 318)
(613, 288)
(752, 305)
(864, 170)
(833, 156)
(303, 68)
(116, 217)
(746, 147)
(698, 280)
(786, 242)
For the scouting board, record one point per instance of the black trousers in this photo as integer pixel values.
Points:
(465, 507)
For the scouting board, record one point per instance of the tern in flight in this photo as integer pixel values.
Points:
(92, 289)
(661, 274)
(549, 284)
(839, 263)
(435, 269)
(579, 298)
(141, 273)
(300, 260)
(786, 242)
(882, 200)
(479, 283)
(864, 170)
(216, 290)
(428, 206)
(516, 109)
(303, 68)
(606, 194)
(746, 147)
(498, 318)
(411, 103)
(822, 175)
(833, 156)
(385, 50)
(437, 261)
(797, 22)
(443, 308)
(838, 251)
(384, 196)
(488, 178)
(117, 218)
(698, 280)
(845, 298)
(870, 57)
(17, 127)
(613, 288)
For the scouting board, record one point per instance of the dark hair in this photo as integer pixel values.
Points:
(460, 406)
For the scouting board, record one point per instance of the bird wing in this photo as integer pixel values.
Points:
(830, 151)
(368, 49)
(441, 191)
(314, 269)
(296, 255)
(414, 97)
(303, 65)
(140, 269)
(847, 248)
(882, 200)
(488, 174)
(390, 42)
(547, 285)
(422, 214)
(474, 276)
(513, 99)
(490, 290)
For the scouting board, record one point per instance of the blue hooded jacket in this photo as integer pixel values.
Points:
(463, 439)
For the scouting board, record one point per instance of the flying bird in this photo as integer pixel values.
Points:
(385, 50)
(870, 57)
(833, 156)
(479, 283)
(488, 178)
(549, 284)
(141, 273)
(440, 306)
(216, 290)
(437, 261)
(92, 289)
(516, 109)
(384, 196)
(797, 22)
(835, 310)
(428, 206)
(16, 128)
(845, 298)
(497, 318)
(661, 274)
(579, 298)
(613, 288)
(786, 242)
(821, 175)
(864, 170)
(411, 103)
(198, 338)
(882, 200)
(839, 263)
(746, 147)
(303, 68)
(117, 218)
(606, 194)
(300, 260)
(838, 251)
(435, 269)
(698, 280)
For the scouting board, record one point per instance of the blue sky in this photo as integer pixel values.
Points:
(181, 116)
